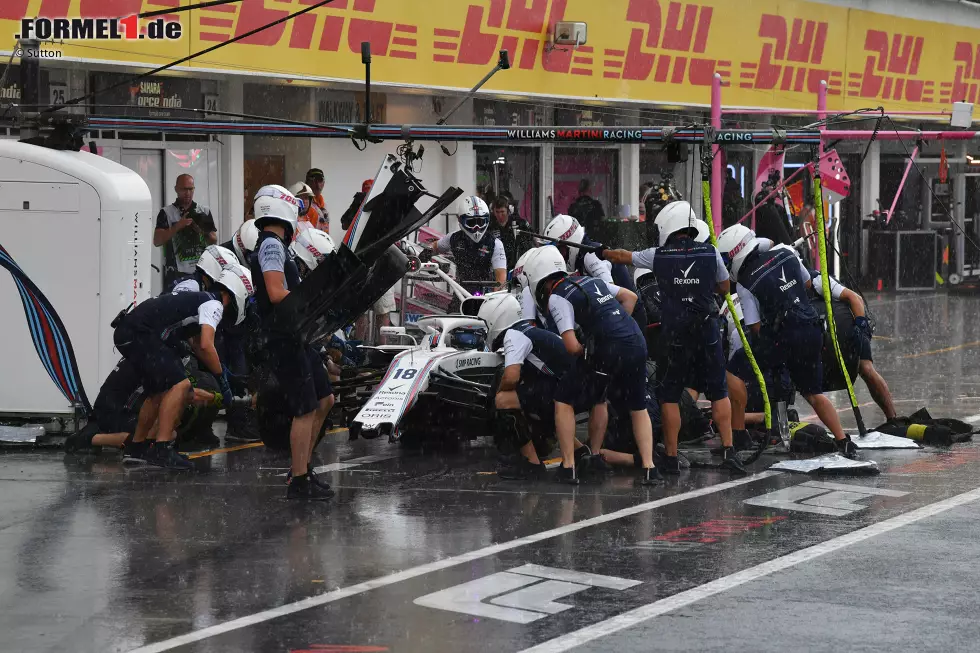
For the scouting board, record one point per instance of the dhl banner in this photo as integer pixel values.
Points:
(771, 53)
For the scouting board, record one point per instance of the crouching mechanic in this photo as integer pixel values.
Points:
(862, 337)
(481, 262)
(772, 288)
(615, 349)
(288, 366)
(116, 411)
(146, 337)
(689, 274)
(535, 361)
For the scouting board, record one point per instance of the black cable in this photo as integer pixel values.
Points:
(177, 62)
(874, 134)
(230, 114)
(174, 10)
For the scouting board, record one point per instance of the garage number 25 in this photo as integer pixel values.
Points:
(405, 373)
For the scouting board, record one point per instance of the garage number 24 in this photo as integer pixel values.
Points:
(405, 373)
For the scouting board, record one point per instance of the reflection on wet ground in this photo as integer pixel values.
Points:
(430, 553)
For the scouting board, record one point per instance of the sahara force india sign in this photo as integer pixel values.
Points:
(771, 53)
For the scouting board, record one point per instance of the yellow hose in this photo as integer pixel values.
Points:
(825, 280)
(706, 193)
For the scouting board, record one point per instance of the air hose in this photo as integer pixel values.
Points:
(706, 156)
(825, 281)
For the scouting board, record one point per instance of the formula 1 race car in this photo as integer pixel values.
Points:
(440, 389)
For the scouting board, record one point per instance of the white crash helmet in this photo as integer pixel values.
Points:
(474, 218)
(274, 203)
(640, 273)
(565, 227)
(518, 273)
(311, 247)
(214, 259)
(500, 310)
(735, 244)
(237, 280)
(546, 263)
(245, 241)
(677, 216)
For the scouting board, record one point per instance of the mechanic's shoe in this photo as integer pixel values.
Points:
(567, 475)
(742, 441)
(730, 461)
(846, 447)
(165, 454)
(301, 487)
(134, 453)
(522, 469)
(242, 435)
(595, 465)
(201, 442)
(651, 476)
(81, 442)
(315, 480)
(671, 465)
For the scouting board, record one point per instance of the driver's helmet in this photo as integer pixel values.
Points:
(469, 338)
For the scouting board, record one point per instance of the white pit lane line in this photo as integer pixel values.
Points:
(695, 594)
(438, 565)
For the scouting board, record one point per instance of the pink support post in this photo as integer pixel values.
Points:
(717, 173)
(889, 135)
(901, 186)
(821, 115)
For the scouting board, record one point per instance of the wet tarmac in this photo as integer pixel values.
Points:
(433, 553)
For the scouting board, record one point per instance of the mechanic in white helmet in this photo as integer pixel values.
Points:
(615, 350)
(244, 242)
(289, 363)
(690, 273)
(535, 363)
(214, 259)
(145, 336)
(773, 285)
(588, 264)
(481, 262)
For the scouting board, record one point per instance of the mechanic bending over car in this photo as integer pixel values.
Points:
(614, 352)
(481, 262)
(772, 287)
(535, 366)
(862, 335)
(689, 274)
(147, 335)
(288, 365)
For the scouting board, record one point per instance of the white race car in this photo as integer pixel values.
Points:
(439, 389)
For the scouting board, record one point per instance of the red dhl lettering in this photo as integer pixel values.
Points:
(686, 30)
(791, 55)
(898, 55)
(963, 88)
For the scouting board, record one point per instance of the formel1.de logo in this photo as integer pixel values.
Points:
(99, 29)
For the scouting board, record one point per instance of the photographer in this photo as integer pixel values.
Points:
(185, 228)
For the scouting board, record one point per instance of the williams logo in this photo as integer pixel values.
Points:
(99, 29)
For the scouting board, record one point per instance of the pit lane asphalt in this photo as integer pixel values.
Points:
(95, 557)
